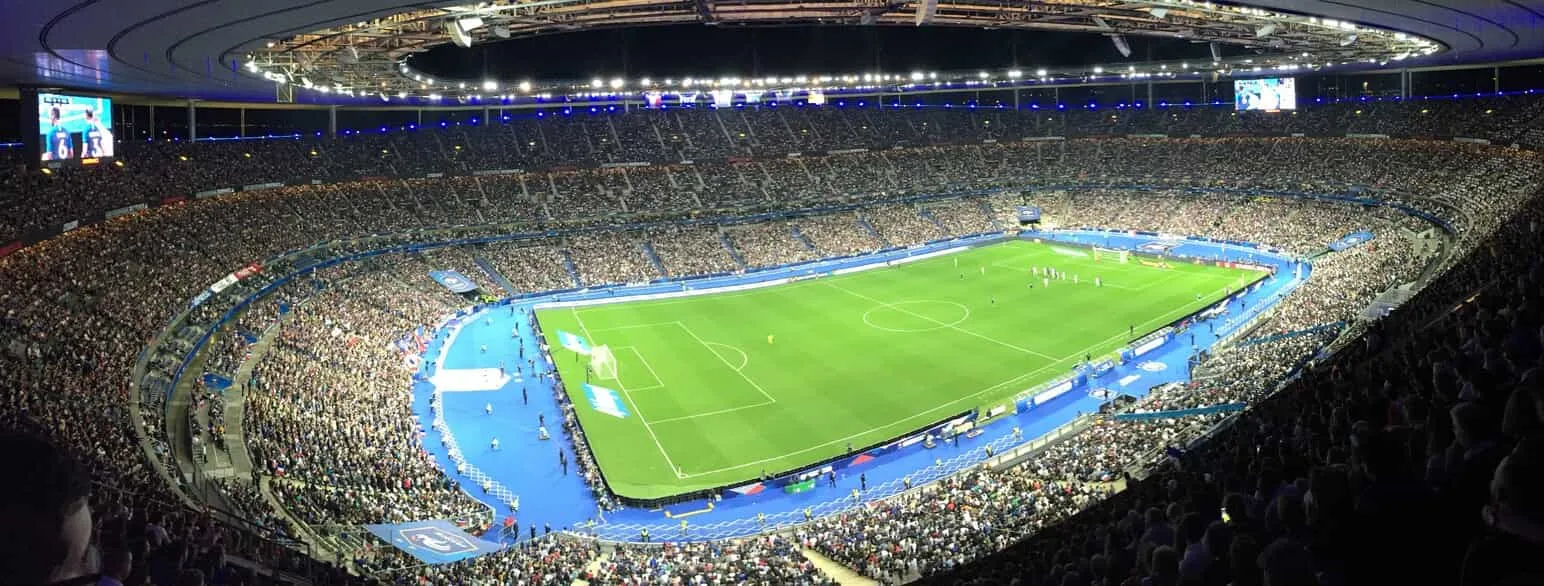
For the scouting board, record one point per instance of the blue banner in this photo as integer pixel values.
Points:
(216, 381)
(456, 282)
(434, 542)
(605, 401)
(1350, 240)
(573, 342)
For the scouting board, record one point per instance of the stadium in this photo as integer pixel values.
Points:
(650, 292)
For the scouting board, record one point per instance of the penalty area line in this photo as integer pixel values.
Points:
(646, 426)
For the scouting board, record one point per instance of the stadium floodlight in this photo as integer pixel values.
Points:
(597, 82)
(1098, 70)
(616, 83)
(490, 85)
(1041, 72)
(525, 86)
(1265, 30)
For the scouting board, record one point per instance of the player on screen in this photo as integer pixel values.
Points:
(59, 147)
(99, 139)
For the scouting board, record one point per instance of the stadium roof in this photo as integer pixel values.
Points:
(224, 49)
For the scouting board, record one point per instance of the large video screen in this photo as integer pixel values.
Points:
(75, 128)
(1271, 93)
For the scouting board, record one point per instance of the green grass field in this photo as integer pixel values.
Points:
(859, 358)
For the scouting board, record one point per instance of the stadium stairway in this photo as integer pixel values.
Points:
(799, 235)
(653, 256)
(927, 214)
(862, 221)
(573, 269)
(729, 246)
(991, 216)
(493, 273)
(840, 573)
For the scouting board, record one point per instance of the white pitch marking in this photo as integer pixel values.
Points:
(726, 362)
(956, 400)
(744, 360)
(893, 306)
(629, 396)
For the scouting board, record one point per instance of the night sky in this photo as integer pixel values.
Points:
(678, 51)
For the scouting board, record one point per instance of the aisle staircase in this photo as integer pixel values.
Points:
(723, 238)
(573, 269)
(991, 216)
(862, 221)
(927, 214)
(653, 256)
(805, 240)
(840, 573)
(493, 273)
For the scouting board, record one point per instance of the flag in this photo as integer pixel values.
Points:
(749, 489)
(573, 342)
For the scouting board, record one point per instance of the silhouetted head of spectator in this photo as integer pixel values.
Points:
(1472, 425)
(1236, 507)
(1242, 559)
(1287, 563)
(117, 562)
(1517, 492)
(48, 525)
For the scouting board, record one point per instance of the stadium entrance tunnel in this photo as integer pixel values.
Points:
(916, 315)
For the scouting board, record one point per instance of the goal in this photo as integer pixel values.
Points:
(603, 365)
(1121, 256)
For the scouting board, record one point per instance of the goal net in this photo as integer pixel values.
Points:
(602, 363)
(1121, 256)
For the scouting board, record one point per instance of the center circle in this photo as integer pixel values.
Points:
(916, 315)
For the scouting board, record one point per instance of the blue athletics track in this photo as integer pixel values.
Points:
(463, 360)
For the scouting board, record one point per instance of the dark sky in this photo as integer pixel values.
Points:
(703, 50)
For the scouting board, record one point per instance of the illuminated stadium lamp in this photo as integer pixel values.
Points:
(917, 76)
(1098, 70)
(525, 86)
(490, 85)
(597, 82)
(616, 83)
(1015, 74)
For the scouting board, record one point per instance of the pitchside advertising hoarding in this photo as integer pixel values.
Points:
(75, 128)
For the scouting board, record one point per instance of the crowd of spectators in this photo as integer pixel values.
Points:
(329, 420)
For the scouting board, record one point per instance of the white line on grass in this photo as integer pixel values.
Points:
(748, 379)
(744, 358)
(634, 326)
(629, 396)
(943, 325)
(658, 382)
(956, 400)
(710, 414)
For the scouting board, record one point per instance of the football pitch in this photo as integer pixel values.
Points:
(717, 389)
